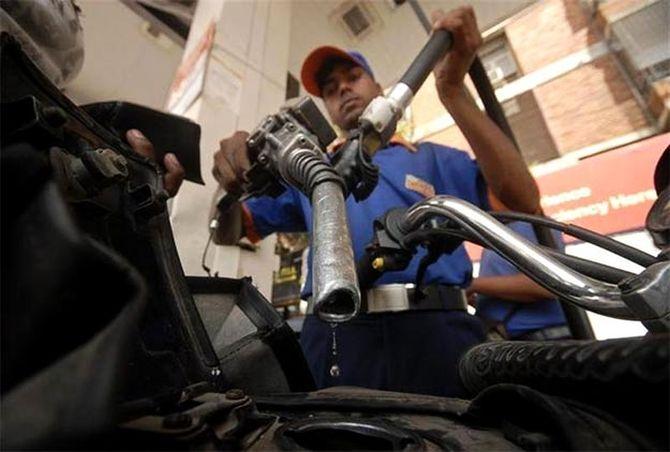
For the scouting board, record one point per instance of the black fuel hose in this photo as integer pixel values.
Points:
(439, 43)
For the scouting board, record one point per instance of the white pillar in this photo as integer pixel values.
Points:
(245, 80)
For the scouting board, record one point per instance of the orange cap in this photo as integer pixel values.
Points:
(318, 57)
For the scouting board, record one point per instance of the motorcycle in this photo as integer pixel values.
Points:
(107, 344)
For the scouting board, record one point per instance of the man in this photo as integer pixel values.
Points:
(413, 350)
(512, 305)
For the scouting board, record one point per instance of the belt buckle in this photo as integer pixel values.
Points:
(389, 297)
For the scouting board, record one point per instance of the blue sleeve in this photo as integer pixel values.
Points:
(461, 176)
(281, 214)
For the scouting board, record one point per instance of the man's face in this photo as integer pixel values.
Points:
(346, 90)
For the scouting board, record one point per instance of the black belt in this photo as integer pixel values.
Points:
(552, 333)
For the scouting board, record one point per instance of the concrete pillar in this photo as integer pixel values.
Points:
(245, 80)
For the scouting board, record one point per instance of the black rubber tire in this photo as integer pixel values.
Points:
(627, 377)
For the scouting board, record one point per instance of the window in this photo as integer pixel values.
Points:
(498, 61)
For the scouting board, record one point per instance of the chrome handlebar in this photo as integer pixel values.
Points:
(593, 295)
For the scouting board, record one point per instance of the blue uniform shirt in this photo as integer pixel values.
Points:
(406, 177)
(528, 316)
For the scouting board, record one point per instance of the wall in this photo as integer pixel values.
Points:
(122, 60)
(590, 104)
(245, 80)
(548, 31)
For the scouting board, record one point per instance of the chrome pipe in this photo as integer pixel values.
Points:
(337, 297)
(593, 295)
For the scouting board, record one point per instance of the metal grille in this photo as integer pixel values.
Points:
(498, 60)
(356, 20)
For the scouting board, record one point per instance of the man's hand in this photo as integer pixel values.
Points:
(174, 172)
(231, 161)
(450, 71)
(504, 170)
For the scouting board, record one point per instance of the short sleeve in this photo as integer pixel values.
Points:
(281, 214)
(461, 176)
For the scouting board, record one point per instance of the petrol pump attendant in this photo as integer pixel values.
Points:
(412, 350)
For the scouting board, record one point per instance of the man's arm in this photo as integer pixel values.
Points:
(503, 168)
(517, 288)
(501, 164)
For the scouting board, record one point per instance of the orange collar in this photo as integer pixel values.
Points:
(395, 139)
(398, 139)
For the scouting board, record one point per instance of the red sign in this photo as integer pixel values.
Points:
(607, 193)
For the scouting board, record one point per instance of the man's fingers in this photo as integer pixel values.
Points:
(174, 174)
(231, 162)
(227, 178)
(436, 17)
(140, 143)
(452, 23)
(240, 136)
(233, 151)
(222, 168)
(471, 29)
(216, 172)
(462, 23)
(241, 159)
(239, 154)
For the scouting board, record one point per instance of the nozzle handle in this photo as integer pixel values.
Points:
(439, 43)
(336, 294)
